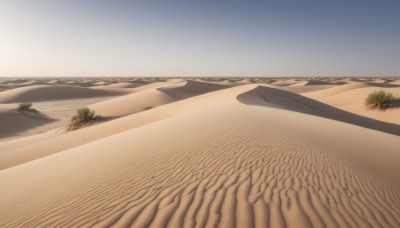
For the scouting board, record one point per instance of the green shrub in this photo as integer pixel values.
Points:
(25, 107)
(83, 116)
(379, 99)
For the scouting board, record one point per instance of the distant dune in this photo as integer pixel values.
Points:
(51, 92)
(202, 153)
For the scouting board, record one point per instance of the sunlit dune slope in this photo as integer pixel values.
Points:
(131, 103)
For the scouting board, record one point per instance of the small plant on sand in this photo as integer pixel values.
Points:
(379, 99)
(82, 117)
(25, 107)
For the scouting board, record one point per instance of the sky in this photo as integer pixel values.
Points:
(199, 38)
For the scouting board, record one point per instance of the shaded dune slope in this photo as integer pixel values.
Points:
(14, 123)
(383, 85)
(266, 96)
(190, 88)
(121, 85)
(126, 84)
(5, 87)
(156, 85)
(321, 82)
(240, 168)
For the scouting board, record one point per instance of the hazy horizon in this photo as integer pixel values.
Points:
(199, 39)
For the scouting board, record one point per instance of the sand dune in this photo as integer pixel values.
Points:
(284, 82)
(396, 82)
(119, 85)
(189, 89)
(217, 175)
(219, 156)
(382, 85)
(149, 96)
(143, 81)
(132, 103)
(15, 81)
(38, 149)
(336, 90)
(349, 93)
(138, 85)
(100, 83)
(266, 96)
(351, 98)
(322, 82)
(305, 88)
(11, 144)
(51, 92)
(156, 85)
(130, 84)
(5, 87)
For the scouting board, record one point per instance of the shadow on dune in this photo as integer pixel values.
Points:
(320, 82)
(14, 122)
(271, 97)
(383, 85)
(395, 104)
(190, 89)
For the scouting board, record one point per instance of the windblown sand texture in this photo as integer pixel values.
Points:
(232, 152)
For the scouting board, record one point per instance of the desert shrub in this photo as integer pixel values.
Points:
(25, 107)
(379, 99)
(83, 116)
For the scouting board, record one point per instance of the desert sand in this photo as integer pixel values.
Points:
(199, 152)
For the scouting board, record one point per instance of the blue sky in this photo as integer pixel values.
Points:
(199, 38)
